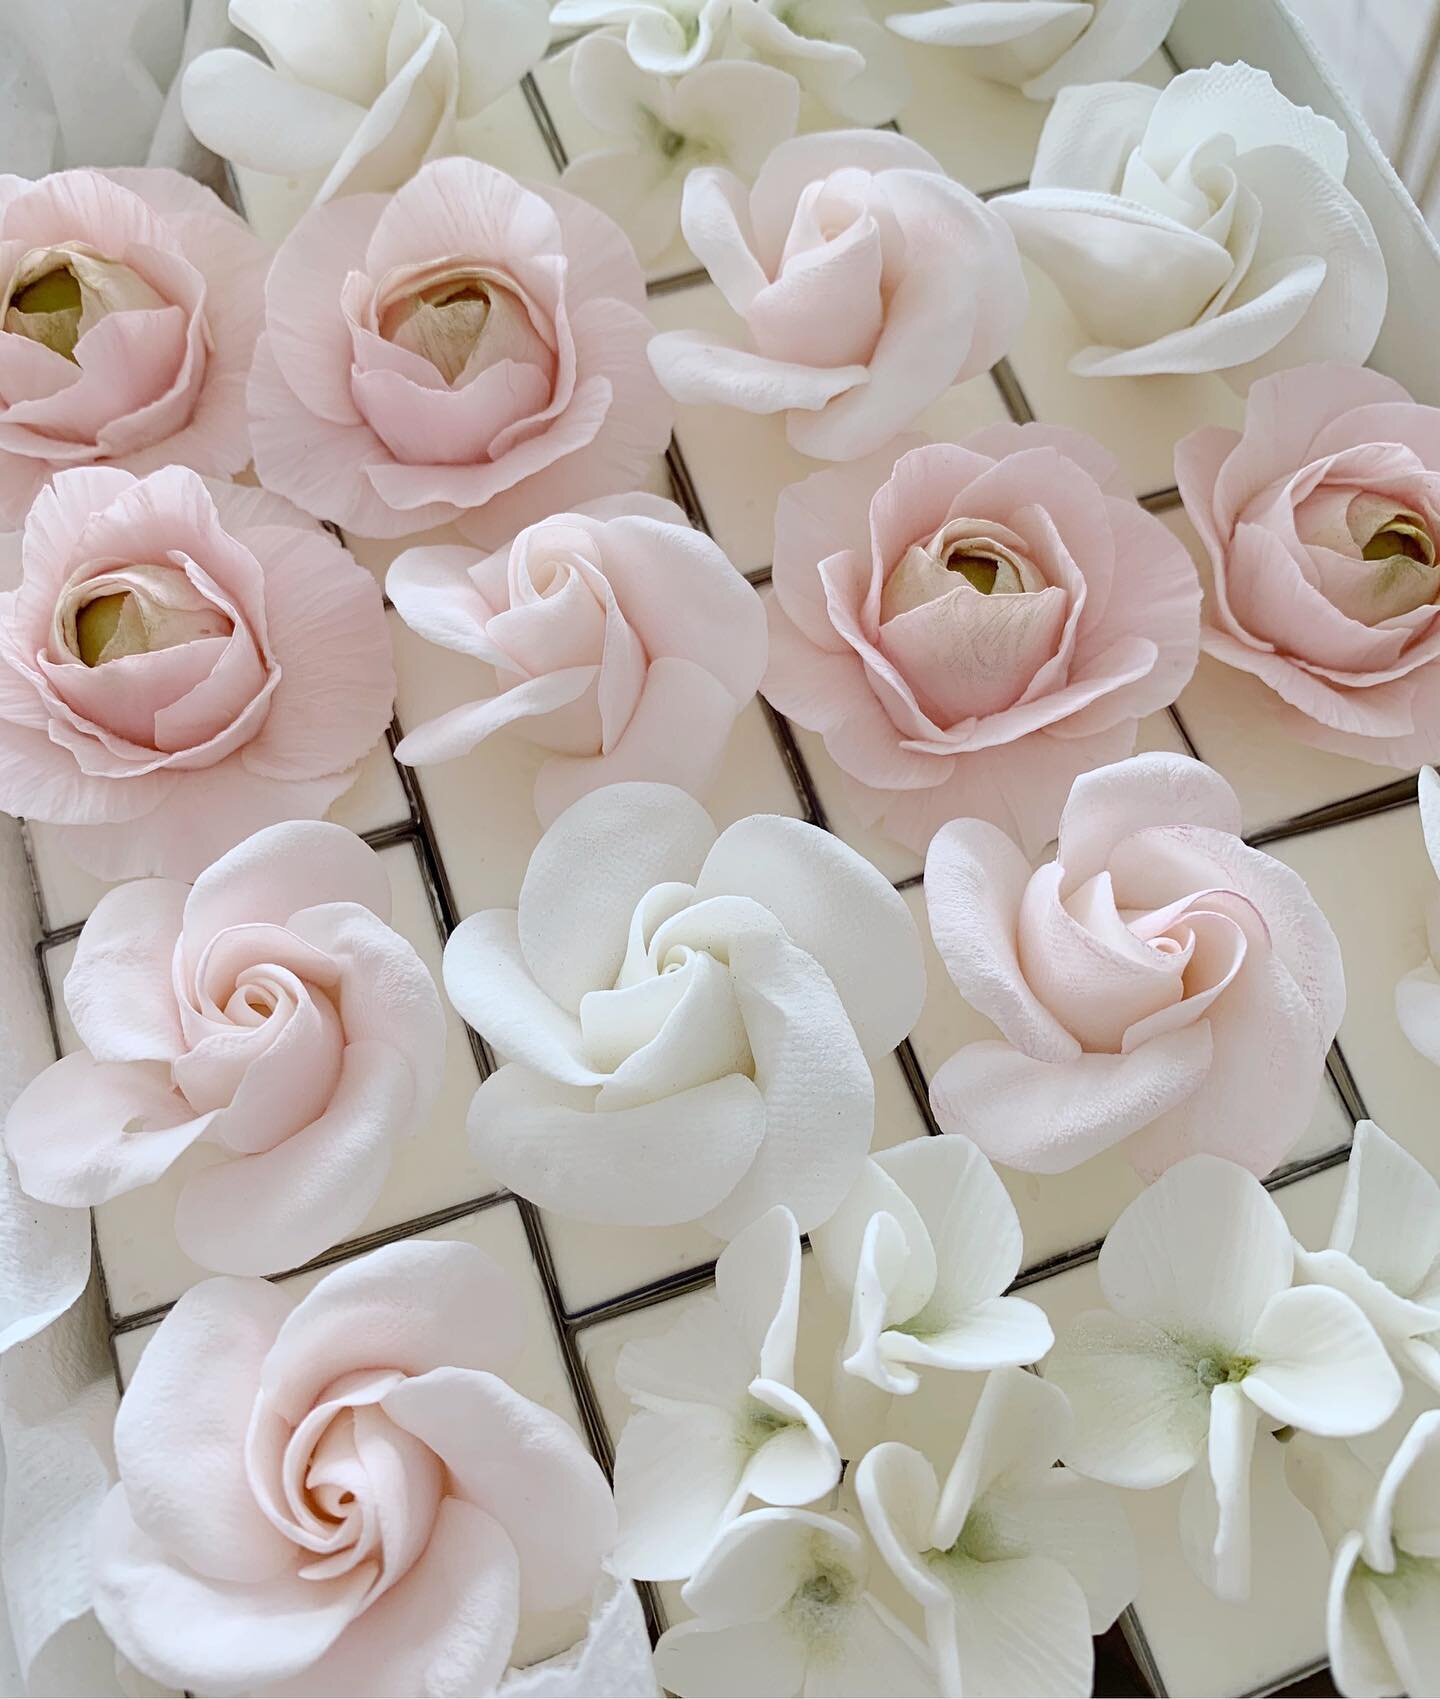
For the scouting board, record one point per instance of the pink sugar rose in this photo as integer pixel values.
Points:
(267, 1011)
(971, 625)
(868, 280)
(1159, 985)
(341, 1494)
(615, 636)
(130, 301)
(465, 349)
(181, 662)
(1322, 522)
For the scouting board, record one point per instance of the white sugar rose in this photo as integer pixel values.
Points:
(1202, 227)
(688, 1020)
(358, 94)
(1042, 46)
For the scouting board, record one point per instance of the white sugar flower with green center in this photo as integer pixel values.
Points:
(1016, 1563)
(924, 1246)
(1382, 1614)
(1384, 1250)
(782, 1608)
(1205, 1335)
(718, 1420)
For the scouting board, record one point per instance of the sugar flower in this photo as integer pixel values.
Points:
(970, 626)
(181, 662)
(1202, 227)
(1321, 523)
(1384, 1596)
(1417, 996)
(1384, 1250)
(688, 1020)
(1015, 1563)
(924, 1246)
(730, 112)
(841, 55)
(616, 637)
(718, 1420)
(130, 301)
(354, 96)
(341, 1494)
(1159, 985)
(1044, 45)
(466, 349)
(1204, 1337)
(664, 37)
(268, 1011)
(868, 281)
(782, 1608)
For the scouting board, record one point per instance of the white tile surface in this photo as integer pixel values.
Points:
(480, 805)
(374, 802)
(433, 1170)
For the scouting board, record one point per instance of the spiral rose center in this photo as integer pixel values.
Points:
(137, 611)
(985, 557)
(57, 294)
(463, 321)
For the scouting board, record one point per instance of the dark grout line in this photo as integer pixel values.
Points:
(1162, 501)
(677, 284)
(1306, 1672)
(649, 1296)
(1384, 799)
(1004, 189)
(800, 775)
(684, 487)
(918, 1084)
(1017, 403)
(540, 112)
(1175, 720)
(1141, 1650)
(1338, 1067)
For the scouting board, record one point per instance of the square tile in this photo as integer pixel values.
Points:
(1230, 718)
(1374, 882)
(1201, 1645)
(480, 805)
(430, 1171)
(594, 1264)
(739, 462)
(1138, 419)
(1059, 1213)
(375, 802)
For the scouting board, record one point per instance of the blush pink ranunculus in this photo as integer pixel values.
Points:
(616, 637)
(868, 281)
(1159, 985)
(130, 301)
(267, 1011)
(181, 662)
(464, 350)
(341, 1494)
(1322, 522)
(973, 624)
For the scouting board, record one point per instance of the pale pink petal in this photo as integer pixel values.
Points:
(1113, 803)
(118, 989)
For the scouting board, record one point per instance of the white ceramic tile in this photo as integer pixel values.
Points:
(1201, 1645)
(506, 135)
(1231, 721)
(740, 462)
(1061, 1212)
(480, 805)
(1138, 419)
(433, 1170)
(374, 802)
(1373, 880)
(596, 1264)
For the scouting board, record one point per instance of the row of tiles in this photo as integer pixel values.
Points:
(1198, 1645)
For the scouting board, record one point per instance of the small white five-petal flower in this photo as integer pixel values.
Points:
(1417, 996)
(728, 113)
(1205, 1335)
(1016, 1563)
(1383, 1606)
(718, 1419)
(1384, 1250)
(781, 1607)
(924, 1246)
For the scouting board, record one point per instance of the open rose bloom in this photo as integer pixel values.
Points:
(1322, 523)
(267, 1012)
(342, 1494)
(465, 350)
(617, 637)
(869, 282)
(130, 302)
(972, 625)
(181, 663)
(1159, 985)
